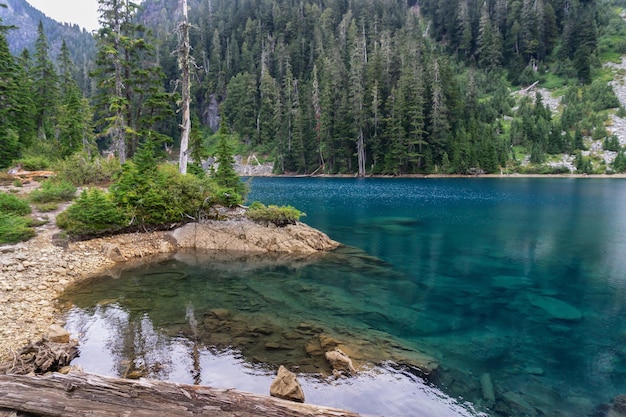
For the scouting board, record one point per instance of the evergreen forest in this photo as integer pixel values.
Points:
(359, 87)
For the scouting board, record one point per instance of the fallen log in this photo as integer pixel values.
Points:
(82, 394)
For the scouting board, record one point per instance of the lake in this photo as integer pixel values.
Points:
(513, 283)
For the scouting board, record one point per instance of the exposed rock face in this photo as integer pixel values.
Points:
(247, 236)
(286, 386)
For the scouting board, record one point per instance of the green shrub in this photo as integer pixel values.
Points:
(280, 216)
(159, 195)
(81, 169)
(611, 144)
(18, 183)
(227, 197)
(14, 229)
(94, 212)
(10, 204)
(33, 163)
(53, 190)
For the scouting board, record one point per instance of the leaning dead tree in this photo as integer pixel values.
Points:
(184, 49)
(82, 395)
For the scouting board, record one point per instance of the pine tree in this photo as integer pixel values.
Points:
(9, 138)
(74, 114)
(132, 101)
(45, 88)
(225, 175)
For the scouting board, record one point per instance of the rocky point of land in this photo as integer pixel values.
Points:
(34, 273)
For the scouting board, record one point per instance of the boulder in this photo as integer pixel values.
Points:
(58, 334)
(340, 362)
(286, 386)
(113, 252)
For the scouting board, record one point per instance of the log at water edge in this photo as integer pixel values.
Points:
(82, 394)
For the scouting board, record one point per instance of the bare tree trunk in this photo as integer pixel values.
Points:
(360, 147)
(183, 62)
(119, 129)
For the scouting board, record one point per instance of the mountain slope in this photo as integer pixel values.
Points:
(26, 18)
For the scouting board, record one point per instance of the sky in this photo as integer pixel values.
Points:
(82, 12)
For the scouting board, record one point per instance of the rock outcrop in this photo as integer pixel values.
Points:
(286, 386)
(247, 236)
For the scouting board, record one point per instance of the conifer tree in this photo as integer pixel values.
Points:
(9, 138)
(45, 88)
(131, 99)
(74, 128)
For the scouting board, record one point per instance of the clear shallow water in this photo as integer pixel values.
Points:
(520, 279)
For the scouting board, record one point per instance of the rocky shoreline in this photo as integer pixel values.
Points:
(36, 272)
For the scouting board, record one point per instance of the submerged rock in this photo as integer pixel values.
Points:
(556, 308)
(286, 386)
(516, 405)
(486, 386)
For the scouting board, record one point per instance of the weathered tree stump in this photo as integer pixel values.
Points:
(82, 395)
(41, 357)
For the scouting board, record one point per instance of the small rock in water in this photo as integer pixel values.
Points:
(286, 386)
(340, 362)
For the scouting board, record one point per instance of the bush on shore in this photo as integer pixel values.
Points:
(14, 228)
(280, 216)
(11, 204)
(53, 190)
(82, 169)
(92, 213)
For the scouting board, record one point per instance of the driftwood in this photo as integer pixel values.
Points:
(41, 357)
(81, 394)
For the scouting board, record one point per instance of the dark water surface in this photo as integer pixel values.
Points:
(516, 283)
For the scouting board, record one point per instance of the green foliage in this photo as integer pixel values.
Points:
(34, 163)
(82, 169)
(162, 195)
(225, 175)
(601, 96)
(583, 164)
(227, 197)
(52, 190)
(14, 228)
(619, 163)
(10, 204)
(280, 216)
(93, 213)
(611, 143)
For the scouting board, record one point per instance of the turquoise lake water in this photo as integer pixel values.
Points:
(514, 283)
